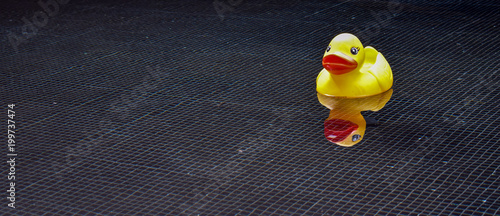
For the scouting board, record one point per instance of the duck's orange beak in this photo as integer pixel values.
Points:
(339, 63)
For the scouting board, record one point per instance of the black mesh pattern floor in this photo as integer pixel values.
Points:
(210, 108)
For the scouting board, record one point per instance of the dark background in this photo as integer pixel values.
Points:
(171, 108)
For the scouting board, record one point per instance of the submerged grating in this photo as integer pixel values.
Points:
(171, 108)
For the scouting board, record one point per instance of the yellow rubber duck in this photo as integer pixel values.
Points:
(353, 71)
(345, 125)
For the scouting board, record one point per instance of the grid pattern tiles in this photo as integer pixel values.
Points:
(210, 108)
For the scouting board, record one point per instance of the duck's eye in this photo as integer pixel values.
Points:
(356, 137)
(354, 50)
(328, 48)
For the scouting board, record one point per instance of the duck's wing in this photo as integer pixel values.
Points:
(370, 56)
(376, 64)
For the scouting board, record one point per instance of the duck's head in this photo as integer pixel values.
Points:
(344, 54)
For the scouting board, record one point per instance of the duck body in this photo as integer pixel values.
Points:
(353, 71)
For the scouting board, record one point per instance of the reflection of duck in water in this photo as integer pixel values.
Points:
(345, 125)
